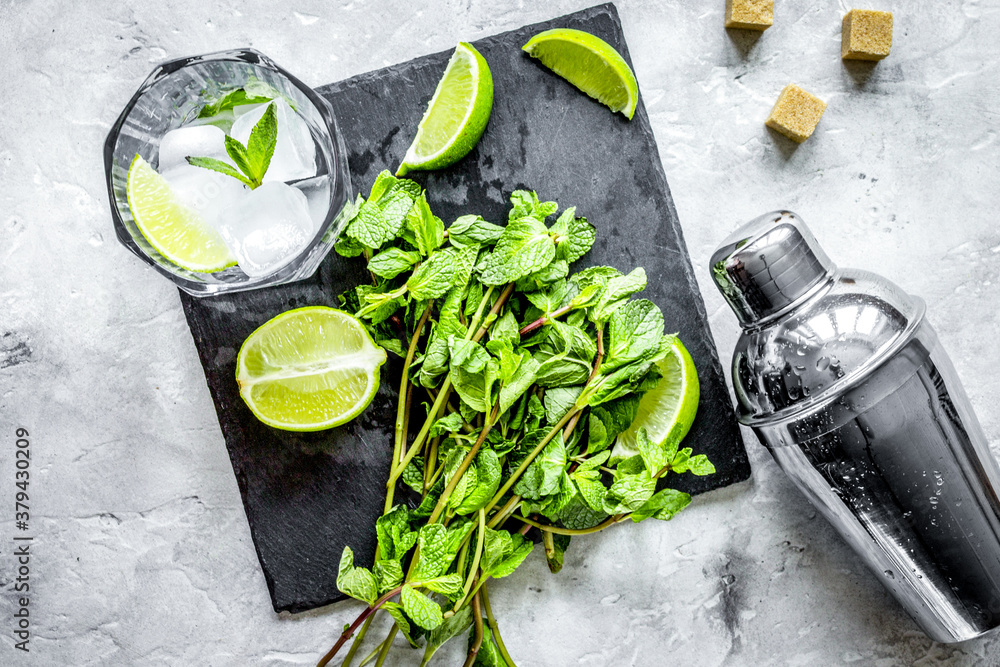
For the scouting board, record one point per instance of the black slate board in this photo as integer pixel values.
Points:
(307, 495)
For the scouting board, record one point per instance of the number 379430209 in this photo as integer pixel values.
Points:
(22, 462)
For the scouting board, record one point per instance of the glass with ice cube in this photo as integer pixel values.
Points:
(275, 232)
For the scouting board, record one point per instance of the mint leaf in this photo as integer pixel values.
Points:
(489, 655)
(219, 166)
(551, 298)
(574, 236)
(238, 154)
(413, 475)
(608, 421)
(254, 91)
(435, 362)
(391, 262)
(425, 612)
(506, 329)
(559, 401)
(448, 585)
(544, 474)
(450, 423)
(503, 552)
(653, 455)
(518, 383)
(260, 145)
(544, 277)
(433, 277)
(450, 628)
(663, 505)
(524, 247)
(634, 330)
(427, 228)
(395, 610)
(356, 582)
(525, 204)
(465, 262)
(381, 218)
(616, 291)
(473, 229)
(682, 461)
(629, 492)
(432, 544)
(345, 245)
(488, 473)
(555, 558)
(395, 538)
(576, 515)
(591, 488)
(388, 574)
(467, 483)
(473, 373)
(378, 306)
(565, 356)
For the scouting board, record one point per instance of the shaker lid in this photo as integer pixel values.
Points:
(768, 264)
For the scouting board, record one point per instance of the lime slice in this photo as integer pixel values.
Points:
(456, 115)
(174, 230)
(666, 411)
(309, 369)
(590, 64)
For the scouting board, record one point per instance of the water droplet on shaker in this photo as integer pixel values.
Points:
(822, 363)
(889, 574)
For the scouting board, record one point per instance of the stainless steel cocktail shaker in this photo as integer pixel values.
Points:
(843, 379)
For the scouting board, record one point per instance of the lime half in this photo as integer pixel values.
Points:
(590, 64)
(666, 411)
(309, 369)
(174, 230)
(456, 115)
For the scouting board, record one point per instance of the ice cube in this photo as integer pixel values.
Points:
(317, 192)
(267, 228)
(196, 141)
(208, 192)
(294, 154)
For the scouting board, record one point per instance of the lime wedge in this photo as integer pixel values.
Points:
(666, 411)
(456, 115)
(174, 230)
(309, 369)
(590, 64)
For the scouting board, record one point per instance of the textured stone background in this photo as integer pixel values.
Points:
(142, 552)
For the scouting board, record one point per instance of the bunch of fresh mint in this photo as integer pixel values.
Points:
(517, 378)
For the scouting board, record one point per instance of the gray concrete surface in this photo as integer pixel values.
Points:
(141, 551)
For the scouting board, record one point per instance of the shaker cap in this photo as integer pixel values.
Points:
(769, 264)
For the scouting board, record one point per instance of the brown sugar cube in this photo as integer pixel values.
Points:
(866, 35)
(796, 113)
(750, 14)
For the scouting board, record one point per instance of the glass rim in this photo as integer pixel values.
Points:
(337, 166)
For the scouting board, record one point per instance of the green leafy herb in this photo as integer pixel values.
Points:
(521, 375)
(252, 159)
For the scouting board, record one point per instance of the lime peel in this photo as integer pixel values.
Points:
(175, 231)
(309, 369)
(668, 410)
(590, 64)
(456, 115)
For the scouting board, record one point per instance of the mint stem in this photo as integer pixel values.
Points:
(531, 457)
(402, 409)
(542, 321)
(346, 634)
(477, 642)
(356, 644)
(495, 629)
(466, 462)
